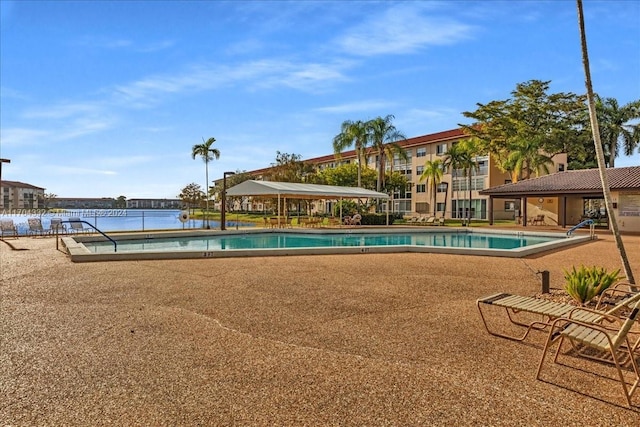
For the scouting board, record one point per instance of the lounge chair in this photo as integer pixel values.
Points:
(77, 227)
(35, 227)
(57, 227)
(356, 219)
(8, 228)
(548, 311)
(431, 220)
(346, 220)
(612, 344)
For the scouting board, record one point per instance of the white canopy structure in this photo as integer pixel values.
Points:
(301, 191)
(293, 190)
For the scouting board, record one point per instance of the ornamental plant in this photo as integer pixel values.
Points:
(585, 283)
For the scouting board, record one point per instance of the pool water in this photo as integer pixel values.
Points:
(267, 241)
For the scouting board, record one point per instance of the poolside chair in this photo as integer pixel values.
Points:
(8, 228)
(77, 227)
(346, 220)
(356, 219)
(516, 305)
(57, 226)
(431, 220)
(612, 344)
(35, 227)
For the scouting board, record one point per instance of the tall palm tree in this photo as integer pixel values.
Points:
(616, 126)
(599, 152)
(207, 153)
(433, 171)
(384, 136)
(353, 134)
(462, 156)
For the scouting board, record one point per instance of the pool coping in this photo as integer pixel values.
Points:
(79, 253)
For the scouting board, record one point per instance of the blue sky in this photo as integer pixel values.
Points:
(101, 99)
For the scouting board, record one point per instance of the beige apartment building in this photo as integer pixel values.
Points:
(452, 193)
(20, 195)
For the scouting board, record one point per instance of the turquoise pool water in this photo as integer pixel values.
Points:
(288, 240)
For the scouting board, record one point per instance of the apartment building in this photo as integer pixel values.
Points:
(155, 204)
(20, 195)
(452, 193)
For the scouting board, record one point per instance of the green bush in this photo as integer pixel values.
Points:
(586, 283)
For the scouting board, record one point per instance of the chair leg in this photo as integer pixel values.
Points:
(547, 345)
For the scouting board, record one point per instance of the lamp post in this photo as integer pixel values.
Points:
(1, 162)
(223, 207)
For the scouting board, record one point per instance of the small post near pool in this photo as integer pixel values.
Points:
(223, 203)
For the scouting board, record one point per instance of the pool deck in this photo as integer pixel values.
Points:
(331, 340)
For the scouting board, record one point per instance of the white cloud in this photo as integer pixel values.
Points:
(73, 170)
(22, 136)
(402, 29)
(355, 107)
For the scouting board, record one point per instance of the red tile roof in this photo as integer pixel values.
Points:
(571, 182)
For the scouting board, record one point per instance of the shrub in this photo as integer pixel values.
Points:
(586, 283)
(376, 219)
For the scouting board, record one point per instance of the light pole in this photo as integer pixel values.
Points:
(1, 162)
(223, 207)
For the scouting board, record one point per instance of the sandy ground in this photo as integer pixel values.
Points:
(345, 340)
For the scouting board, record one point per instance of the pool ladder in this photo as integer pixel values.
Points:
(588, 222)
(115, 244)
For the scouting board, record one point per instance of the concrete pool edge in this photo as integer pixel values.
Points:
(79, 253)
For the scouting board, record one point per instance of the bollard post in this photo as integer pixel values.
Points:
(545, 281)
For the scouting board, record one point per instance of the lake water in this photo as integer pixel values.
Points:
(116, 219)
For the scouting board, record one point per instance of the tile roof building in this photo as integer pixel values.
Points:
(567, 198)
(20, 195)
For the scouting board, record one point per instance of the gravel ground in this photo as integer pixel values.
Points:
(332, 340)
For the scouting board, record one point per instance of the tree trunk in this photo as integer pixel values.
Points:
(600, 152)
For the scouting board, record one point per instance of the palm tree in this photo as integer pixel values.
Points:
(599, 151)
(528, 158)
(207, 153)
(353, 134)
(462, 156)
(433, 171)
(384, 136)
(615, 126)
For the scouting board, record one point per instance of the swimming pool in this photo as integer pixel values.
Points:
(206, 244)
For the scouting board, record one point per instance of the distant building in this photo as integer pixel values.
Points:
(20, 195)
(154, 204)
(82, 203)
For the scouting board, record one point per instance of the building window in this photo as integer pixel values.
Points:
(441, 149)
(422, 207)
(419, 170)
(421, 152)
(560, 167)
(442, 187)
(510, 206)
(440, 207)
(421, 188)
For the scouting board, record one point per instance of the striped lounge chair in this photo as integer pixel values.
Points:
(611, 345)
(517, 305)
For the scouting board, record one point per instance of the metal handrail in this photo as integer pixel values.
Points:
(582, 224)
(115, 244)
